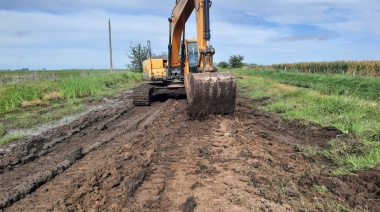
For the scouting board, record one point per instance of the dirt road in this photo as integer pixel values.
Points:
(126, 158)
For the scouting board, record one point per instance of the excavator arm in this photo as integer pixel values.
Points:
(180, 14)
(208, 91)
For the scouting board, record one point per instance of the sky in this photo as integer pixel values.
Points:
(68, 34)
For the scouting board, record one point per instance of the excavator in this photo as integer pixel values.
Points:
(188, 68)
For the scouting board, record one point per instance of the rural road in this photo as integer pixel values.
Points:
(127, 158)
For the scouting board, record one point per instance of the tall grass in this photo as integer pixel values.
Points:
(80, 87)
(12, 96)
(367, 88)
(88, 86)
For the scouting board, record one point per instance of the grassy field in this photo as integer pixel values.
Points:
(32, 102)
(354, 68)
(351, 104)
(14, 77)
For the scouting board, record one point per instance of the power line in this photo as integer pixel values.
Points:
(70, 5)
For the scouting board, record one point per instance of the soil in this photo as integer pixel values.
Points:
(155, 158)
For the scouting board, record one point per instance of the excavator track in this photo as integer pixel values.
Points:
(142, 95)
(210, 93)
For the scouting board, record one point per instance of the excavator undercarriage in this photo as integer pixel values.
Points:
(206, 93)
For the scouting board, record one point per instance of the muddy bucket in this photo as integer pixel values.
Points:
(210, 93)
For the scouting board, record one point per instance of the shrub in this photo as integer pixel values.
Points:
(223, 64)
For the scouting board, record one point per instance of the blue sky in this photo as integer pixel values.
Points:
(50, 34)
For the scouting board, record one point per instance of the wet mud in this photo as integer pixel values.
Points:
(156, 158)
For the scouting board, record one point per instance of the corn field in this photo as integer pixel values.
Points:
(354, 68)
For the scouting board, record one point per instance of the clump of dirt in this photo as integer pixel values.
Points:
(189, 205)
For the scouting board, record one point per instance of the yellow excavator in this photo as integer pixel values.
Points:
(189, 67)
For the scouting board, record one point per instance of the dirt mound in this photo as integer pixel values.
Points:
(156, 159)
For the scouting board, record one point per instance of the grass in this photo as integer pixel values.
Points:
(28, 104)
(10, 138)
(352, 113)
(366, 88)
(2, 130)
(320, 189)
(12, 96)
(91, 85)
(29, 118)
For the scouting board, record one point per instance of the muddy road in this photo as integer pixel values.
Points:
(126, 158)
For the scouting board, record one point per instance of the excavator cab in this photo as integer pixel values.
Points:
(192, 56)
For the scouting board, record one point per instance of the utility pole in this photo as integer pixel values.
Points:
(109, 35)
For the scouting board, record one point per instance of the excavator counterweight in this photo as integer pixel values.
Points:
(189, 65)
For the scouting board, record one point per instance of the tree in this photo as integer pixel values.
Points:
(223, 64)
(236, 61)
(137, 54)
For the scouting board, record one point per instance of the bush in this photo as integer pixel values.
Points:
(223, 64)
(236, 61)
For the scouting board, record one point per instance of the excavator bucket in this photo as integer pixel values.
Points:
(210, 93)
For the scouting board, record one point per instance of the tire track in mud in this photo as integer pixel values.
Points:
(46, 161)
(121, 168)
(157, 159)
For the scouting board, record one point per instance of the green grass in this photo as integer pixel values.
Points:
(2, 130)
(58, 73)
(352, 114)
(366, 88)
(10, 138)
(320, 189)
(70, 94)
(91, 85)
(12, 96)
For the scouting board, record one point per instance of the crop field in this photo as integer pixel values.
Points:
(296, 142)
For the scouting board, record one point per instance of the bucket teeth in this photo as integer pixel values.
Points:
(210, 93)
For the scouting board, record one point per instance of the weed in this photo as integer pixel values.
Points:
(308, 151)
(320, 189)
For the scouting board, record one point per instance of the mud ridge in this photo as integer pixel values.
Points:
(30, 183)
(27, 150)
